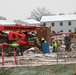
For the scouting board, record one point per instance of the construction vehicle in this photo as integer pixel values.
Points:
(15, 33)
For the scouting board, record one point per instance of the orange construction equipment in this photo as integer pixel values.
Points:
(21, 36)
(16, 36)
(13, 35)
(14, 31)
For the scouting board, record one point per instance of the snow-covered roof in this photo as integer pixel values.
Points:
(27, 22)
(6, 23)
(58, 18)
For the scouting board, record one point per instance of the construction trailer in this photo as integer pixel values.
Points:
(44, 32)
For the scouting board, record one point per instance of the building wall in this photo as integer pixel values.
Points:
(65, 27)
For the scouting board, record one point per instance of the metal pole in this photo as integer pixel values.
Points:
(15, 60)
(2, 57)
(57, 49)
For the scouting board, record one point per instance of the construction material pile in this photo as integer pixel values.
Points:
(32, 50)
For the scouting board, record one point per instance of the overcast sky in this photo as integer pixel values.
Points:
(21, 9)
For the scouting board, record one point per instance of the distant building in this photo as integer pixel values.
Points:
(7, 23)
(27, 22)
(60, 23)
(2, 18)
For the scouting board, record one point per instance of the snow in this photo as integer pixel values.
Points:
(58, 18)
(6, 23)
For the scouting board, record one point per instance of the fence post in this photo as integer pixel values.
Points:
(15, 60)
(2, 57)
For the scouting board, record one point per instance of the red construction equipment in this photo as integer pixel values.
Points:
(16, 33)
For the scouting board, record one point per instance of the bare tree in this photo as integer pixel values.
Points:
(39, 12)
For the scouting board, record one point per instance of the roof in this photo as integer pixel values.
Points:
(6, 23)
(27, 22)
(58, 18)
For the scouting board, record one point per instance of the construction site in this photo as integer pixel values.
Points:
(22, 46)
